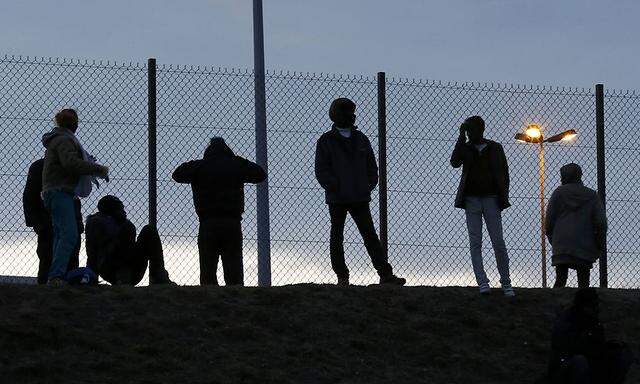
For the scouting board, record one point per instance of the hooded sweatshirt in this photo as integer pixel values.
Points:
(64, 163)
(217, 181)
(576, 224)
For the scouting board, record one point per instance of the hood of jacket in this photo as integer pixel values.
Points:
(218, 148)
(575, 195)
(48, 137)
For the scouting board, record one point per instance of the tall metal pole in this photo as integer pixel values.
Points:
(152, 138)
(382, 155)
(602, 184)
(264, 241)
(543, 240)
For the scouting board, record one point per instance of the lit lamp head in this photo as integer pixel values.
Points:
(564, 136)
(522, 138)
(533, 131)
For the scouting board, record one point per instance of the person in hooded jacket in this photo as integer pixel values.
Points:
(65, 163)
(114, 253)
(576, 226)
(346, 168)
(217, 182)
(37, 217)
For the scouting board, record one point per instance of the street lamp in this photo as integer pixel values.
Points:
(533, 134)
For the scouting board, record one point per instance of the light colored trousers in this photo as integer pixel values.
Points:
(477, 208)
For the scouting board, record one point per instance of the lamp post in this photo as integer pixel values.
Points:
(533, 134)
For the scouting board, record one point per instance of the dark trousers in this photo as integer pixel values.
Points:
(221, 238)
(562, 273)
(129, 265)
(45, 254)
(361, 215)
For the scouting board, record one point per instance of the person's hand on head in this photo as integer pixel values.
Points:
(463, 129)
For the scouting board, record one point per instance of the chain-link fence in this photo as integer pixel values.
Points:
(427, 236)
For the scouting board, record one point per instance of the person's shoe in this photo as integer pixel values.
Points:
(392, 280)
(56, 282)
(485, 289)
(160, 279)
(508, 291)
(343, 282)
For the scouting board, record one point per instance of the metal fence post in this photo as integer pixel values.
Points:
(152, 132)
(382, 155)
(602, 183)
(264, 241)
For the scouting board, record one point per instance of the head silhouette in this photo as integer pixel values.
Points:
(112, 206)
(218, 147)
(343, 112)
(571, 174)
(474, 126)
(68, 119)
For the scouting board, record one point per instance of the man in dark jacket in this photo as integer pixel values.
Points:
(37, 217)
(576, 226)
(346, 168)
(483, 192)
(579, 352)
(217, 182)
(113, 252)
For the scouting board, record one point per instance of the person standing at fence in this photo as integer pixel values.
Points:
(66, 168)
(37, 217)
(217, 182)
(483, 193)
(346, 168)
(113, 252)
(576, 226)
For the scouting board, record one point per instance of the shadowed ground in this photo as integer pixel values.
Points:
(292, 334)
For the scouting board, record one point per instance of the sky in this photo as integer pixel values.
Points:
(542, 42)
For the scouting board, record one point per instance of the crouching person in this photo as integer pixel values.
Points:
(114, 253)
(217, 182)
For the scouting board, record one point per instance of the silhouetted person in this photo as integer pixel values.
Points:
(483, 193)
(217, 182)
(346, 168)
(113, 252)
(579, 352)
(37, 217)
(576, 226)
(67, 167)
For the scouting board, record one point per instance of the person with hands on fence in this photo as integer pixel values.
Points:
(483, 192)
(69, 172)
(217, 182)
(346, 168)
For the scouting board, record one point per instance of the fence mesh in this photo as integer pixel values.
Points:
(427, 236)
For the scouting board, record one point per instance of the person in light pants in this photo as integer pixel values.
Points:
(483, 193)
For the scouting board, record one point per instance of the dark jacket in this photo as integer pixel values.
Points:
(576, 225)
(35, 214)
(346, 167)
(217, 181)
(462, 156)
(108, 238)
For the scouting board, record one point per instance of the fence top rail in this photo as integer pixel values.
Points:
(622, 93)
(68, 62)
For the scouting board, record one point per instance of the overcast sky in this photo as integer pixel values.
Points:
(569, 42)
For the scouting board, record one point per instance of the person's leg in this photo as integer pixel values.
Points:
(473, 213)
(65, 230)
(74, 261)
(562, 273)
(493, 219)
(338, 214)
(149, 246)
(231, 254)
(208, 253)
(361, 214)
(583, 277)
(45, 253)
(578, 370)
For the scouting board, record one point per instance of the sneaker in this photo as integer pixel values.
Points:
(56, 282)
(392, 280)
(485, 289)
(508, 291)
(343, 282)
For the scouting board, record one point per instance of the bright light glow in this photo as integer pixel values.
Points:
(569, 137)
(533, 131)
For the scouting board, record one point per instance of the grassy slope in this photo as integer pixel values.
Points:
(295, 334)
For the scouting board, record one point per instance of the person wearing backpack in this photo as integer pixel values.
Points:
(68, 172)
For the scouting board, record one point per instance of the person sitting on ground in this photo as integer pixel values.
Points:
(217, 182)
(113, 252)
(37, 217)
(576, 226)
(579, 352)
